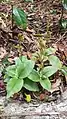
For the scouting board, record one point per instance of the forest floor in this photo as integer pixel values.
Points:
(39, 12)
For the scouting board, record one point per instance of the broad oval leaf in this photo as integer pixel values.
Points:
(34, 76)
(64, 2)
(54, 61)
(48, 71)
(45, 83)
(49, 51)
(64, 70)
(11, 71)
(20, 17)
(23, 58)
(18, 61)
(29, 65)
(21, 63)
(14, 85)
(30, 85)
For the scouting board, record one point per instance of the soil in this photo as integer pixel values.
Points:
(38, 14)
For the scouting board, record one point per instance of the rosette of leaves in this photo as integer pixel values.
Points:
(23, 74)
(46, 72)
(16, 76)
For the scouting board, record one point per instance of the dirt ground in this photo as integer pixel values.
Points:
(39, 14)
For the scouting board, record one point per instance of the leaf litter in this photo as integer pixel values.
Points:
(37, 21)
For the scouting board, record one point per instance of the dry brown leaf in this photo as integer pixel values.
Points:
(57, 83)
(3, 25)
(42, 96)
(29, 55)
(54, 89)
(30, 30)
(11, 60)
(2, 53)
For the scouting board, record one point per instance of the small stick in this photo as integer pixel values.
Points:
(12, 21)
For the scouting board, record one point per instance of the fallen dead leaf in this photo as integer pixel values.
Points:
(3, 25)
(57, 83)
(11, 60)
(42, 96)
(30, 30)
(54, 89)
(28, 54)
(3, 53)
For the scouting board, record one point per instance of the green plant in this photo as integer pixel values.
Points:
(20, 17)
(63, 22)
(16, 76)
(47, 63)
(23, 74)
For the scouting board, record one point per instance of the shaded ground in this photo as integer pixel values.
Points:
(38, 14)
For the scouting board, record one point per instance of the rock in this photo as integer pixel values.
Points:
(38, 110)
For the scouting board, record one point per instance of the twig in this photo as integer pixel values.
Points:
(12, 20)
(61, 37)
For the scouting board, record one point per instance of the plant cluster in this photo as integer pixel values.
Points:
(24, 74)
(31, 74)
